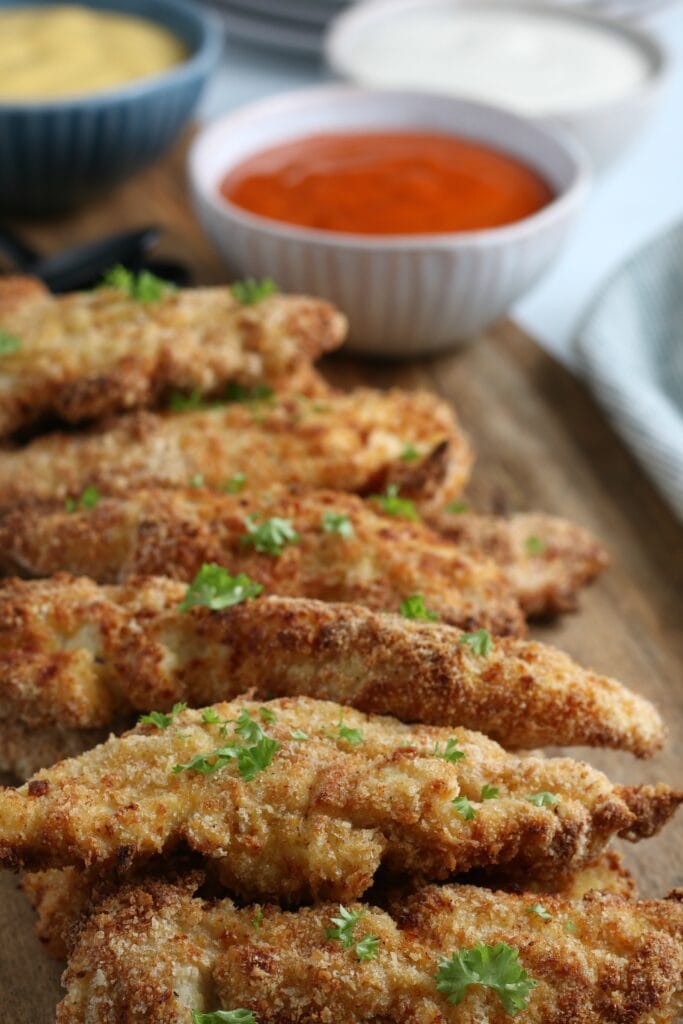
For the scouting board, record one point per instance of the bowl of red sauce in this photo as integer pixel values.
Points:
(423, 217)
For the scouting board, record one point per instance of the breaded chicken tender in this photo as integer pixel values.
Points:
(300, 799)
(377, 560)
(90, 354)
(546, 559)
(350, 442)
(79, 655)
(154, 954)
(64, 898)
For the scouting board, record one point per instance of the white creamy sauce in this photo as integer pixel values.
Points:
(531, 62)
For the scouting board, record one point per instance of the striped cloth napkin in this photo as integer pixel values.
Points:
(630, 350)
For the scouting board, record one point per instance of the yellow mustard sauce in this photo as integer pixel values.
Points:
(49, 52)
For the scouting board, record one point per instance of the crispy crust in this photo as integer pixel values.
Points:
(64, 898)
(546, 559)
(153, 954)
(174, 532)
(351, 442)
(77, 655)
(324, 816)
(90, 354)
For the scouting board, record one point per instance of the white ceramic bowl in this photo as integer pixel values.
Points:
(405, 295)
(604, 129)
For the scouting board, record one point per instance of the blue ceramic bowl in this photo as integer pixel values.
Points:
(55, 154)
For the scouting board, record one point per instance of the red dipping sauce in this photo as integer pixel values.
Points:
(387, 183)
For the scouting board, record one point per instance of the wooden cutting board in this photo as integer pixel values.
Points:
(542, 444)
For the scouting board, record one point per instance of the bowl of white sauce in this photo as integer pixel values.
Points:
(596, 77)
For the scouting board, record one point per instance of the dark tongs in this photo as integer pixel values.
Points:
(84, 266)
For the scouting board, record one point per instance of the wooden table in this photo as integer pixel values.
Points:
(542, 444)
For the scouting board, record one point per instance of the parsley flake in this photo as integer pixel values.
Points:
(489, 792)
(213, 587)
(299, 734)
(161, 720)
(248, 728)
(257, 918)
(179, 402)
(450, 751)
(271, 536)
(211, 717)
(9, 343)
(235, 392)
(410, 453)
(239, 1016)
(543, 799)
(539, 910)
(457, 508)
(352, 736)
(267, 715)
(534, 545)
(391, 503)
(464, 808)
(250, 760)
(480, 642)
(89, 498)
(367, 948)
(344, 925)
(235, 484)
(413, 607)
(197, 480)
(143, 287)
(250, 291)
(495, 967)
(569, 927)
(337, 522)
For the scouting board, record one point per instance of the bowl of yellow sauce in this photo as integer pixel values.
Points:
(92, 92)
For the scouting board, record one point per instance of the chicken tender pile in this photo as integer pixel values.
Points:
(263, 651)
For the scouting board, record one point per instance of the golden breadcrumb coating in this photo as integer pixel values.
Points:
(89, 354)
(546, 559)
(343, 794)
(153, 954)
(350, 442)
(174, 532)
(64, 898)
(76, 654)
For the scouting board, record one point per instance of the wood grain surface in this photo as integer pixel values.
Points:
(542, 444)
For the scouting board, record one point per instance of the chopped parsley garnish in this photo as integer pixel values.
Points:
(337, 522)
(534, 545)
(197, 480)
(9, 343)
(299, 734)
(179, 402)
(267, 715)
(143, 287)
(413, 607)
(235, 484)
(480, 642)
(213, 587)
(211, 717)
(489, 792)
(457, 508)
(248, 728)
(271, 536)
(239, 1016)
(352, 736)
(543, 799)
(250, 760)
(464, 808)
(410, 453)
(569, 927)
(391, 503)
(235, 392)
(450, 751)
(539, 910)
(367, 948)
(257, 918)
(250, 291)
(495, 967)
(161, 720)
(89, 499)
